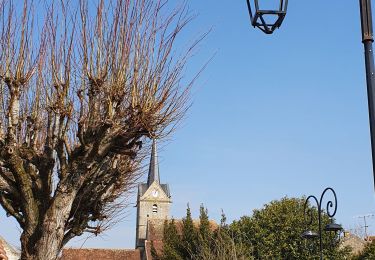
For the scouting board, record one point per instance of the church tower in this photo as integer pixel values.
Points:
(153, 200)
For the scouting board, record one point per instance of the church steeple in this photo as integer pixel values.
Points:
(153, 201)
(153, 172)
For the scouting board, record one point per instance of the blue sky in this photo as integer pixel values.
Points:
(272, 116)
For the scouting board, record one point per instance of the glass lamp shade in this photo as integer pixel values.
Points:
(267, 15)
(333, 227)
(309, 234)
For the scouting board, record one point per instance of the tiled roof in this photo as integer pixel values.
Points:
(155, 233)
(12, 253)
(100, 254)
(155, 229)
(157, 244)
(370, 238)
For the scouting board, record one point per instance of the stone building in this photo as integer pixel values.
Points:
(153, 201)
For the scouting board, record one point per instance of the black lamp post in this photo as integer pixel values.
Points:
(367, 39)
(308, 212)
(277, 11)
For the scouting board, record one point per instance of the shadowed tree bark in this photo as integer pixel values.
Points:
(83, 86)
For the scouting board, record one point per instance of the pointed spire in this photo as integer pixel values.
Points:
(153, 172)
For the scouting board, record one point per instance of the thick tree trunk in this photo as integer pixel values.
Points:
(51, 232)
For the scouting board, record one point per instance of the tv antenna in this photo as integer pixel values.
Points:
(365, 217)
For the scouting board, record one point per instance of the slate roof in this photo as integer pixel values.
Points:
(153, 172)
(142, 188)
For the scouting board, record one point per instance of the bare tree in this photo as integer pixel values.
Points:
(83, 85)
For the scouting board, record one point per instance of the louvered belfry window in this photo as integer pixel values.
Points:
(154, 208)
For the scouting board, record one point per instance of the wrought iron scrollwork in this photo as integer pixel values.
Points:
(308, 211)
(330, 203)
(309, 215)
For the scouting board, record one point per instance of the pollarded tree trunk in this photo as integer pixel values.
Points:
(51, 232)
(51, 241)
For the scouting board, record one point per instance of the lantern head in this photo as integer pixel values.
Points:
(309, 234)
(333, 227)
(267, 15)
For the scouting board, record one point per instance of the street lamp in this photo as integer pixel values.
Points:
(258, 19)
(268, 15)
(308, 213)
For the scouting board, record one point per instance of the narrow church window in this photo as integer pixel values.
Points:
(155, 208)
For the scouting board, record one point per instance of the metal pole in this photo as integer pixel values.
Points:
(320, 228)
(318, 203)
(367, 39)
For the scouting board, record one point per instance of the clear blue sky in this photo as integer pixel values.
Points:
(272, 116)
